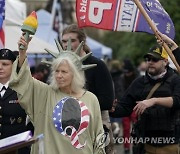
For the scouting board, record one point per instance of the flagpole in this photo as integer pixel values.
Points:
(155, 30)
(53, 11)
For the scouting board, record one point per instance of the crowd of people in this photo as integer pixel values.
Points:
(74, 100)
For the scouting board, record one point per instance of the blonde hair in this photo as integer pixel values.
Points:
(78, 80)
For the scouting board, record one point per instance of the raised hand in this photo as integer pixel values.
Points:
(22, 52)
(164, 38)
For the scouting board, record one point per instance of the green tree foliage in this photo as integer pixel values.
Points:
(129, 45)
(172, 7)
(135, 45)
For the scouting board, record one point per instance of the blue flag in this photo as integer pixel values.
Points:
(159, 16)
(2, 12)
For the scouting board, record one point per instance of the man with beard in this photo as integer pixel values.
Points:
(158, 115)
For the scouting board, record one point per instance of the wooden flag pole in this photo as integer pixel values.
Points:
(154, 29)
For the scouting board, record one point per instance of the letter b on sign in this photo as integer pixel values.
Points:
(96, 19)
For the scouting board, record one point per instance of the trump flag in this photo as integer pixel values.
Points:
(123, 15)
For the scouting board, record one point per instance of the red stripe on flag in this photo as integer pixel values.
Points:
(82, 104)
(83, 125)
(73, 135)
(85, 112)
(117, 18)
(76, 143)
(2, 38)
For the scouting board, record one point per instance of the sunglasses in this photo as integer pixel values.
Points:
(153, 59)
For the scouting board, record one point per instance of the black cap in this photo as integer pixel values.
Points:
(7, 54)
(157, 52)
(128, 66)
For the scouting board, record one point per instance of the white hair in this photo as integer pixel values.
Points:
(78, 80)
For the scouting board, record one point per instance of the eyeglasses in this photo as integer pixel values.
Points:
(153, 59)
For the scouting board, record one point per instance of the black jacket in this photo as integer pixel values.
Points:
(12, 117)
(176, 54)
(99, 82)
(137, 92)
(158, 118)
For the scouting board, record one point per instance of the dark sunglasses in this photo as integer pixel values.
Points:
(153, 59)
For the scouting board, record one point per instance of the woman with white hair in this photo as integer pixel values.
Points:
(67, 114)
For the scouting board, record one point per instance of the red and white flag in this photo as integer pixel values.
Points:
(123, 15)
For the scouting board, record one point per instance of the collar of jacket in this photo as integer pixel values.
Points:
(149, 79)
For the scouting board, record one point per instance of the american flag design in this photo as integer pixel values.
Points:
(71, 123)
(2, 17)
